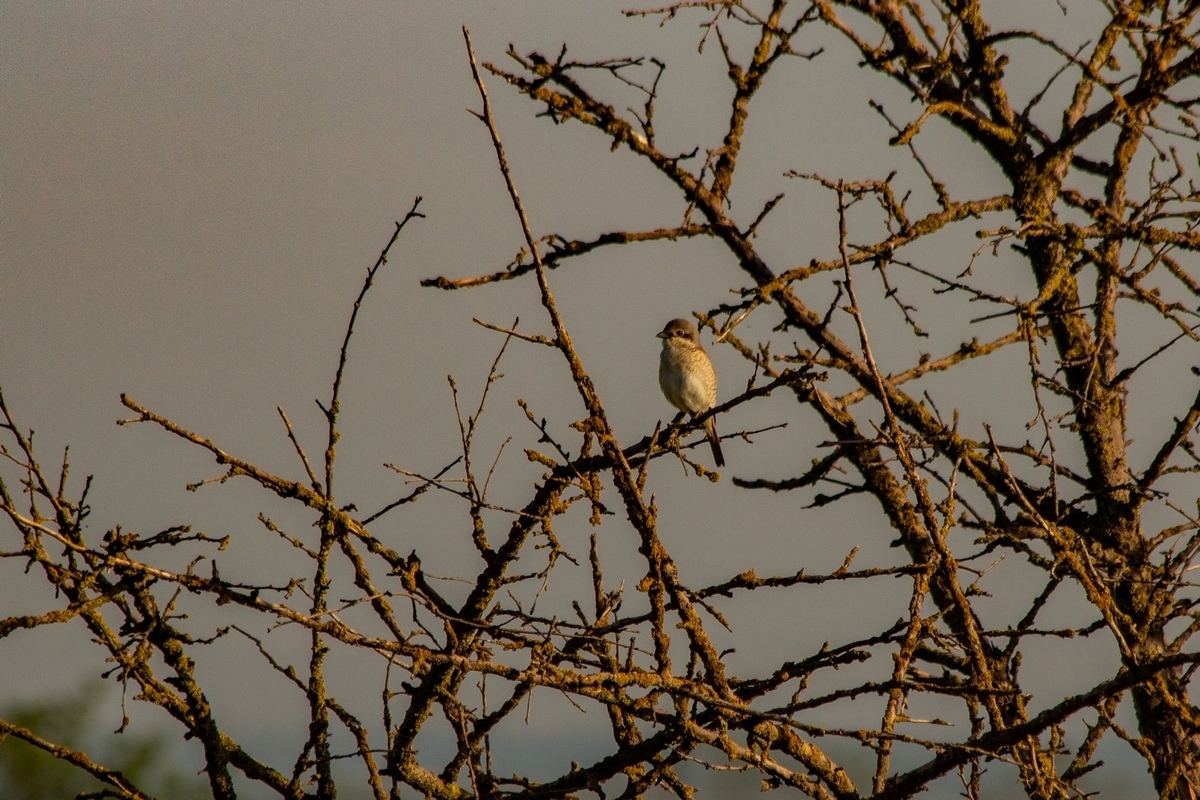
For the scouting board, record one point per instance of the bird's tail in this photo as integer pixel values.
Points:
(710, 430)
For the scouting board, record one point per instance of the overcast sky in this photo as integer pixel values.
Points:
(191, 193)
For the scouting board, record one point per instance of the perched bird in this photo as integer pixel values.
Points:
(687, 377)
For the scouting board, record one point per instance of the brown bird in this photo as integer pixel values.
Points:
(687, 377)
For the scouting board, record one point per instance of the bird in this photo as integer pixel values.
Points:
(687, 378)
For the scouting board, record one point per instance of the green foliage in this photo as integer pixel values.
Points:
(73, 720)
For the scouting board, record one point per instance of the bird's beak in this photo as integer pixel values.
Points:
(661, 335)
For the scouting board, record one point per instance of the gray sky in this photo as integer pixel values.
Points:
(190, 195)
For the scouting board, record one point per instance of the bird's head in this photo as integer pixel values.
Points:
(680, 330)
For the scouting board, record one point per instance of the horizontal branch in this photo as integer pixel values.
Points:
(562, 249)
